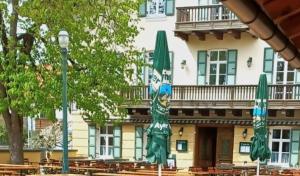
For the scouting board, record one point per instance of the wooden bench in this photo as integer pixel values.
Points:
(8, 172)
(19, 168)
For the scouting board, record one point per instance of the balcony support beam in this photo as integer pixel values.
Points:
(182, 35)
(200, 35)
(218, 35)
(235, 34)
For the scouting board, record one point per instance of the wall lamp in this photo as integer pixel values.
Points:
(183, 64)
(245, 133)
(180, 132)
(249, 62)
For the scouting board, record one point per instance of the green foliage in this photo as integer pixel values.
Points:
(3, 136)
(101, 55)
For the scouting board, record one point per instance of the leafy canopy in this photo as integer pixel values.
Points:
(100, 55)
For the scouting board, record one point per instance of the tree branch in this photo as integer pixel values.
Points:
(28, 40)
(14, 20)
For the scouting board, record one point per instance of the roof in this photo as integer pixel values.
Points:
(275, 21)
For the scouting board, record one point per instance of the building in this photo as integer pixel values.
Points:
(216, 63)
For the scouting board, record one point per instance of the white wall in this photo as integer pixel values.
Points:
(247, 47)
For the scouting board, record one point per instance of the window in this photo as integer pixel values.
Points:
(157, 8)
(106, 142)
(139, 143)
(283, 74)
(280, 146)
(148, 70)
(217, 68)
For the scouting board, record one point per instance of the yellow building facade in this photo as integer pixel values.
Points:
(216, 63)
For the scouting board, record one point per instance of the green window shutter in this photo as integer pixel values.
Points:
(92, 141)
(139, 143)
(201, 70)
(268, 63)
(294, 148)
(117, 142)
(231, 66)
(143, 9)
(170, 7)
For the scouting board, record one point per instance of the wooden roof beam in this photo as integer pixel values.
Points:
(182, 35)
(218, 35)
(200, 35)
(235, 34)
(286, 16)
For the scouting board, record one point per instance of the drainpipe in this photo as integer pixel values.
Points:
(252, 15)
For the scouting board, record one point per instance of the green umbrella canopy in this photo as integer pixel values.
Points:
(259, 145)
(159, 130)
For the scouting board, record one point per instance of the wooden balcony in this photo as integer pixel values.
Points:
(221, 97)
(210, 19)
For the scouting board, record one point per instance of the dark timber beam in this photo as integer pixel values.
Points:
(200, 35)
(218, 35)
(235, 34)
(182, 35)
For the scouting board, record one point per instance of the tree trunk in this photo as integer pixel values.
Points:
(14, 126)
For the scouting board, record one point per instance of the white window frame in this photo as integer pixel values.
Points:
(280, 145)
(209, 62)
(157, 9)
(106, 136)
(278, 58)
(283, 92)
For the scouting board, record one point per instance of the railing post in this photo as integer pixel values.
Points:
(232, 93)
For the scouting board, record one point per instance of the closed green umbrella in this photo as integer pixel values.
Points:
(159, 130)
(259, 146)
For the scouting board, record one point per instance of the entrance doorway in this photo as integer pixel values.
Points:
(207, 141)
(213, 145)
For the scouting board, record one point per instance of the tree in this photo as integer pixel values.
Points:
(100, 57)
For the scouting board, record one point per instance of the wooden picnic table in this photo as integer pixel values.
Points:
(132, 173)
(21, 169)
(89, 170)
(56, 175)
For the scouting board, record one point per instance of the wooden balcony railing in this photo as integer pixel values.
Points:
(204, 14)
(220, 93)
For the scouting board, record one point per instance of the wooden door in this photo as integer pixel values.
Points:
(206, 147)
(225, 145)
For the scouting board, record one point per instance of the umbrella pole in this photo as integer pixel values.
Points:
(159, 169)
(257, 169)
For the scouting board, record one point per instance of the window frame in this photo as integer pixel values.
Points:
(278, 58)
(218, 63)
(157, 9)
(106, 136)
(271, 140)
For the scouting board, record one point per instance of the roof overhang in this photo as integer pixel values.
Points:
(275, 21)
